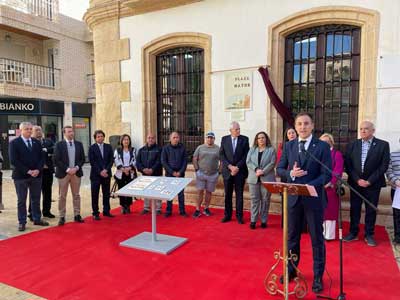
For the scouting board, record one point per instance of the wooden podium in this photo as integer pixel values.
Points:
(271, 280)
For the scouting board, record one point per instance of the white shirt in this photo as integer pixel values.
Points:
(126, 159)
(308, 142)
(26, 141)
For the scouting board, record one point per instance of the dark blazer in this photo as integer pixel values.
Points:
(61, 161)
(48, 152)
(22, 159)
(375, 165)
(316, 174)
(98, 163)
(237, 159)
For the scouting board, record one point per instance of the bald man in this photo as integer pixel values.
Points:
(148, 162)
(366, 162)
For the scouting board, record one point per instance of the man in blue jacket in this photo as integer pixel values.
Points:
(27, 161)
(174, 161)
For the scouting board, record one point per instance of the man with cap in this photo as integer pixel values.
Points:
(206, 164)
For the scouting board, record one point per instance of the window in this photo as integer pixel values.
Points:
(180, 96)
(322, 66)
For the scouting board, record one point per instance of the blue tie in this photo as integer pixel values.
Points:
(29, 145)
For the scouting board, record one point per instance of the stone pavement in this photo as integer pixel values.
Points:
(9, 222)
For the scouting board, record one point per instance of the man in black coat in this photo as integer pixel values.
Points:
(366, 162)
(48, 171)
(233, 154)
(148, 162)
(27, 161)
(69, 158)
(299, 168)
(174, 161)
(101, 160)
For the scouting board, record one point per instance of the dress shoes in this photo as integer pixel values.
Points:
(183, 214)
(167, 214)
(78, 219)
(30, 217)
(252, 225)
(317, 285)
(144, 212)
(61, 222)
(96, 218)
(240, 221)
(108, 214)
(292, 275)
(21, 227)
(225, 219)
(41, 223)
(49, 215)
(123, 210)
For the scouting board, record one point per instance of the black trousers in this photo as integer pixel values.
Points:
(314, 217)
(370, 214)
(47, 183)
(396, 220)
(124, 201)
(105, 189)
(237, 183)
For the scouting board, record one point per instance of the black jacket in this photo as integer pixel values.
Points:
(237, 159)
(48, 152)
(173, 159)
(61, 161)
(22, 159)
(99, 163)
(375, 166)
(150, 158)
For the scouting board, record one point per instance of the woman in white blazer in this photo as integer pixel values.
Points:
(260, 163)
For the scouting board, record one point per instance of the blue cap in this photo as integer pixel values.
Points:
(210, 134)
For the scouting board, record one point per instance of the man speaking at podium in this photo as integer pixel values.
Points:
(299, 167)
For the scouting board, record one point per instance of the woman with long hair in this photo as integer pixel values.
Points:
(261, 164)
(125, 162)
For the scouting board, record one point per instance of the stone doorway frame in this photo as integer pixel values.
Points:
(149, 53)
(367, 19)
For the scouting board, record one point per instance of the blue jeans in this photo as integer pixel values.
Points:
(34, 185)
(181, 200)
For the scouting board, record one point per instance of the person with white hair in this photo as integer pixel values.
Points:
(233, 153)
(27, 161)
(366, 162)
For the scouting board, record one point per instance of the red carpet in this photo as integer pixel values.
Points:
(220, 261)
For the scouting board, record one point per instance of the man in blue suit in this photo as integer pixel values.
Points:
(298, 167)
(233, 154)
(101, 160)
(27, 161)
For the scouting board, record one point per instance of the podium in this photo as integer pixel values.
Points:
(271, 280)
(154, 188)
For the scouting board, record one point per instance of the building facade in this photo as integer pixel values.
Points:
(192, 66)
(46, 71)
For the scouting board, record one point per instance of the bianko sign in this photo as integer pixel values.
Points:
(19, 106)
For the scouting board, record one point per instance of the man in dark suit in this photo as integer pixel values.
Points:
(69, 158)
(48, 171)
(233, 154)
(101, 160)
(27, 161)
(300, 168)
(366, 162)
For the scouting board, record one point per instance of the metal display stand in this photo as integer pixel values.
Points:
(154, 188)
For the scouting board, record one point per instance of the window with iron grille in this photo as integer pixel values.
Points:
(180, 96)
(322, 71)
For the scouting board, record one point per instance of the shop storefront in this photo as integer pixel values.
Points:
(81, 117)
(13, 111)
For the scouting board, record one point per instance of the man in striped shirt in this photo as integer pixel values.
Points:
(366, 162)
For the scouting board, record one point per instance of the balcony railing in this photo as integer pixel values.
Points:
(17, 72)
(91, 83)
(43, 8)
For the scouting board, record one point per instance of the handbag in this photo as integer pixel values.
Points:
(340, 191)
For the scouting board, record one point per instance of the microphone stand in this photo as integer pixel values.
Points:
(342, 295)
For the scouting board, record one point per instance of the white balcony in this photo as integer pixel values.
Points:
(47, 9)
(22, 73)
